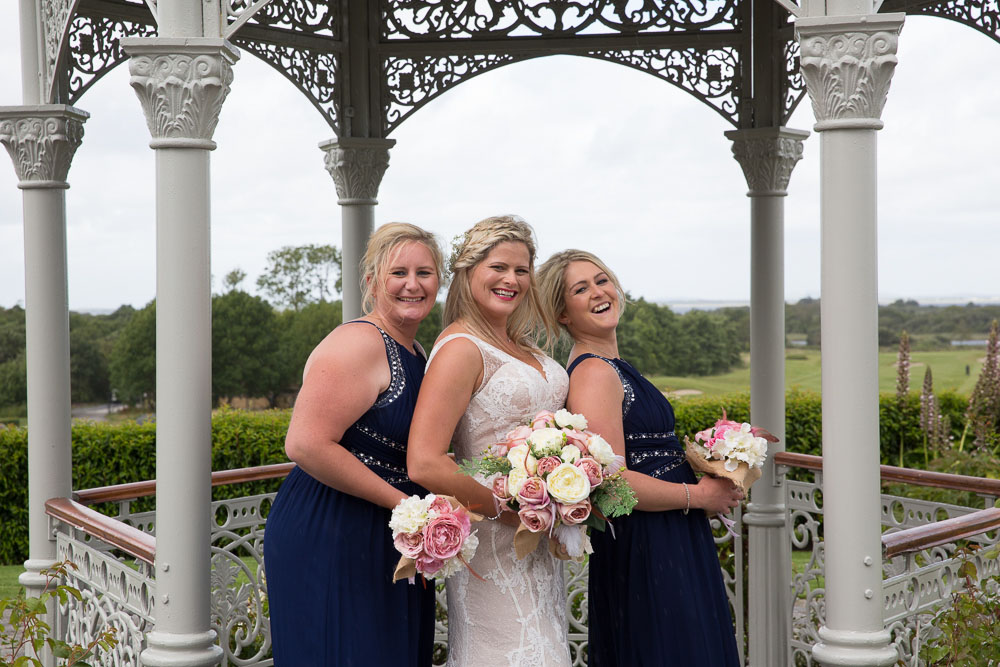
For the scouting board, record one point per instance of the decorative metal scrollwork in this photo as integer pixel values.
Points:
(711, 75)
(309, 17)
(983, 16)
(411, 83)
(95, 49)
(447, 19)
(795, 83)
(315, 73)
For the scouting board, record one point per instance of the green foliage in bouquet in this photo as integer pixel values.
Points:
(966, 630)
(487, 465)
(614, 498)
(25, 634)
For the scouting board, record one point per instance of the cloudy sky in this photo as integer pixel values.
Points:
(594, 155)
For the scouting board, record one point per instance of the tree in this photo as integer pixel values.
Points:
(133, 358)
(246, 359)
(297, 275)
(233, 279)
(302, 331)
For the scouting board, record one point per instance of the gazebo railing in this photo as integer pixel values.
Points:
(919, 551)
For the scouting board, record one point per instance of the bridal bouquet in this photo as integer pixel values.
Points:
(560, 478)
(730, 449)
(434, 535)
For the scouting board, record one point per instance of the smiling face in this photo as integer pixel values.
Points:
(500, 282)
(591, 300)
(408, 285)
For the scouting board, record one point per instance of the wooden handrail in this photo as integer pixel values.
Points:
(941, 480)
(130, 540)
(135, 490)
(940, 532)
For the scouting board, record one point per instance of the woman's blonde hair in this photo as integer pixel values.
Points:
(383, 247)
(528, 318)
(552, 284)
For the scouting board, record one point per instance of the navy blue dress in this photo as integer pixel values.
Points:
(329, 556)
(656, 595)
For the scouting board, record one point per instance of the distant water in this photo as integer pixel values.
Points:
(682, 306)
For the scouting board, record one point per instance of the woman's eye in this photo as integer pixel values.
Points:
(580, 290)
(424, 274)
(399, 273)
(602, 281)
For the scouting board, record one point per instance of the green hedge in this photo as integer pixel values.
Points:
(106, 454)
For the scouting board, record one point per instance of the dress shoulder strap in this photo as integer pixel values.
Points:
(629, 396)
(492, 359)
(397, 377)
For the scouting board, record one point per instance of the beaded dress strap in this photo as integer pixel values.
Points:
(397, 382)
(629, 396)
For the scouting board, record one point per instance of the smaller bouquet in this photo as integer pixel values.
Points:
(560, 478)
(731, 449)
(434, 535)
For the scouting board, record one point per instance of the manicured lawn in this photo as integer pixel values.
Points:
(802, 371)
(8, 580)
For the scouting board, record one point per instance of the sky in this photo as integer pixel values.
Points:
(594, 155)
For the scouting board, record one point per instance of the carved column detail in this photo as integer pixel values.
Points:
(767, 156)
(42, 141)
(357, 167)
(181, 84)
(847, 64)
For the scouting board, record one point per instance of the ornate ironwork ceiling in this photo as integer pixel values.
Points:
(367, 65)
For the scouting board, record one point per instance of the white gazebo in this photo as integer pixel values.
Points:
(366, 65)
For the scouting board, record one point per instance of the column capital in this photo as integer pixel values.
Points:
(767, 155)
(42, 140)
(181, 84)
(357, 166)
(847, 63)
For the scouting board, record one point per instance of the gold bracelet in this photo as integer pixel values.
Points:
(687, 494)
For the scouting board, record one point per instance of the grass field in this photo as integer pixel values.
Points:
(802, 371)
(8, 580)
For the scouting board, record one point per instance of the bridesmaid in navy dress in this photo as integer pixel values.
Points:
(328, 551)
(656, 594)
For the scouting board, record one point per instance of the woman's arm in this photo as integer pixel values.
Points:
(445, 393)
(595, 391)
(343, 377)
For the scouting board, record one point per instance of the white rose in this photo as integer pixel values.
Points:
(570, 453)
(515, 480)
(600, 450)
(546, 442)
(410, 515)
(568, 484)
(566, 419)
(520, 457)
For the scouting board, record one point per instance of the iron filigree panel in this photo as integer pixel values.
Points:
(711, 75)
(982, 15)
(471, 19)
(795, 84)
(315, 73)
(95, 49)
(303, 17)
(411, 83)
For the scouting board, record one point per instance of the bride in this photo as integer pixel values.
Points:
(484, 377)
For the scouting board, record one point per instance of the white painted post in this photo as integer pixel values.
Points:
(181, 83)
(848, 62)
(356, 166)
(768, 156)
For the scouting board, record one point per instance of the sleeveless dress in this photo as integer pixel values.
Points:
(656, 594)
(329, 556)
(516, 615)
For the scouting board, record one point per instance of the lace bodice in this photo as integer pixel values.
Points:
(516, 614)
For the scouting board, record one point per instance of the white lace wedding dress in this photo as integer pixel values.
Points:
(516, 615)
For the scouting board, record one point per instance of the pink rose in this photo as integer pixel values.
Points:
(518, 435)
(578, 439)
(705, 436)
(410, 545)
(542, 419)
(499, 450)
(536, 520)
(533, 493)
(429, 566)
(443, 536)
(547, 464)
(500, 491)
(574, 513)
(440, 505)
(593, 470)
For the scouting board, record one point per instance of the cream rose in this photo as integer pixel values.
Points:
(568, 484)
(520, 457)
(600, 450)
(410, 515)
(570, 453)
(546, 442)
(515, 479)
(566, 419)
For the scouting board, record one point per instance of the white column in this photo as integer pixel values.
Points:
(181, 84)
(42, 140)
(768, 156)
(357, 167)
(848, 62)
